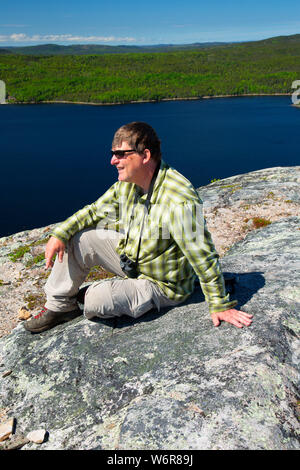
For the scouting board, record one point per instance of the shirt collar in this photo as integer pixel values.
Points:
(158, 181)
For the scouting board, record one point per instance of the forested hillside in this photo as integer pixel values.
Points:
(268, 66)
(91, 49)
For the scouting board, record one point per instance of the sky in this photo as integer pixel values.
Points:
(138, 22)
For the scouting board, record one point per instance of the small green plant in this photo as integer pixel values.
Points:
(214, 180)
(44, 274)
(233, 187)
(97, 273)
(43, 241)
(19, 252)
(259, 222)
(35, 260)
(34, 300)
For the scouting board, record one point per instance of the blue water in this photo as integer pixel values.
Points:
(55, 158)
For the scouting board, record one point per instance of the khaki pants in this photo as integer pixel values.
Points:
(105, 299)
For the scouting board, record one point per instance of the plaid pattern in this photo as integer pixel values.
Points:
(176, 245)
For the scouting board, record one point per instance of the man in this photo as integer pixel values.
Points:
(147, 230)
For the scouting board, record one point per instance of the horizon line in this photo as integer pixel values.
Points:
(58, 43)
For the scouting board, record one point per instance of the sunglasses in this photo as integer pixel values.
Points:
(120, 153)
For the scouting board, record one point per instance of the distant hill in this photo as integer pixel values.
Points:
(95, 49)
(294, 38)
(92, 49)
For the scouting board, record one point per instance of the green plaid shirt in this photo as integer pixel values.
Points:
(175, 246)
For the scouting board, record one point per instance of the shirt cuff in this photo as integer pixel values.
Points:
(222, 308)
(53, 233)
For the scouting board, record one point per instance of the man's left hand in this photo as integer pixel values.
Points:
(233, 316)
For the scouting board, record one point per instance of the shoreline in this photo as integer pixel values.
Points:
(147, 101)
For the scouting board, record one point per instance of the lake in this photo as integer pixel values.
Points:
(55, 157)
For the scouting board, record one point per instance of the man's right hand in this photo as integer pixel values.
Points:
(54, 246)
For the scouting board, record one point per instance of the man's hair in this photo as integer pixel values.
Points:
(140, 136)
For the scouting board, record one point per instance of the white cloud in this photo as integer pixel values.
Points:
(14, 25)
(68, 38)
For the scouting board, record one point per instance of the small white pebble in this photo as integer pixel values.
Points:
(149, 355)
(121, 359)
(37, 436)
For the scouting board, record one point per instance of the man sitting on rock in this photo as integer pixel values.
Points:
(148, 230)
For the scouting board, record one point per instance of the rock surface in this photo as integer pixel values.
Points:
(172, 380)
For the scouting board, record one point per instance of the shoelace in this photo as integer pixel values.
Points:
(40, 314)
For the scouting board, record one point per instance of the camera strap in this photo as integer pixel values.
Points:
(147, 204)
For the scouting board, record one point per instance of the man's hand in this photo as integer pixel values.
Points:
(53, 246)
(233, 316)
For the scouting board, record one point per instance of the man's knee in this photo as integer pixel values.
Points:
(98, 301)
(83, 237)
(117, 297)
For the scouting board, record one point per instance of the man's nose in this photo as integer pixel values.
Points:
(114, 160)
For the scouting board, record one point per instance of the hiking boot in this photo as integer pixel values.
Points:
(47, 319)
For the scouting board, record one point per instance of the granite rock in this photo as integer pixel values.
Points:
(253, 187)
(172, 380)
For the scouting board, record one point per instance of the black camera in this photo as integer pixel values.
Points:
(128, 266)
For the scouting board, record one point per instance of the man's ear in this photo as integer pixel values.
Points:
(146, 156)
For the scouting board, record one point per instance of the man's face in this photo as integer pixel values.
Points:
(130, 167)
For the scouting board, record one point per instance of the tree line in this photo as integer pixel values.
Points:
(249, 68)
